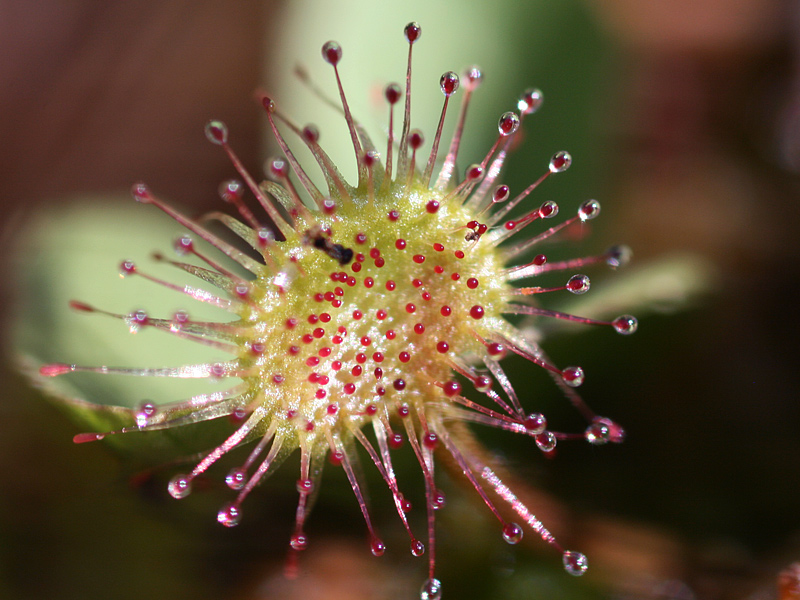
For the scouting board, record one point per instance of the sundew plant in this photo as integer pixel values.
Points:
(372, 318)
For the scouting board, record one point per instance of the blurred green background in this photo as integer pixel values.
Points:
(684, 121)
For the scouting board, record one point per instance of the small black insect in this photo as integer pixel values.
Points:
(336, 251)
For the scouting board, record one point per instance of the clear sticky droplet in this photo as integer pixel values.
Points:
(474, 172)
(265, 237)
(597, 433)
(501, 193)
(393, 92)
(497, 351)
(416, 139)
(332, 52)
(127, 267)
(483, 383)
(579, 284)
(371, 157)
(573, 376)
(304, 486)
(277, 168)
(236, 478)
(417, 548)
(589, 210)
(311, 134)
(179, 319)
(179, 486)
(625, 324)
(377, 547)
(546, 441)
(618, 256)
(229, 515)
(472, 77)
(560, 162)
(530, 101)
(298, 542)
(413, 32)
(439, 500)
(508, 123)
(575, 563)
(616, 432)
(548, 209)
(449, 83)
(141, 193)
(231, 189)
(512, 533)
(535, 423)
(183, 244)
(144, 413)
(217, 132)
(136, 320)
(431, 590)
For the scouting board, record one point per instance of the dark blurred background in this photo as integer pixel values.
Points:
(685, 115)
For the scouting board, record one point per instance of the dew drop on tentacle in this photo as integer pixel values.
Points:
(496, 351)
(277, 168)
(548, 209)
(415, 139)
(180, 486)
(573, 376)
(546, 441)
(575, 563)
(311, 134)
(530, 101)
(136, 320)
(474, 172)
(625, 324)
(126, 267)
(512, 533)
(217, 132)
(393, 93)
(500, 194)
(144, 413)
(589, 210)
(332, 52)
(377, 547)
(298, 542)
(618, 256)
(431, 590)
(473, 77)
(141, 193)
(236, 479)
(616, 433)
(371, 157)
(413, 32)
(597, 433)
(578, 284)
(535, 423)
(231, 190)
(449, 83)
(560, 162)
(508, 123)
(439, 500)
(229, 515)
